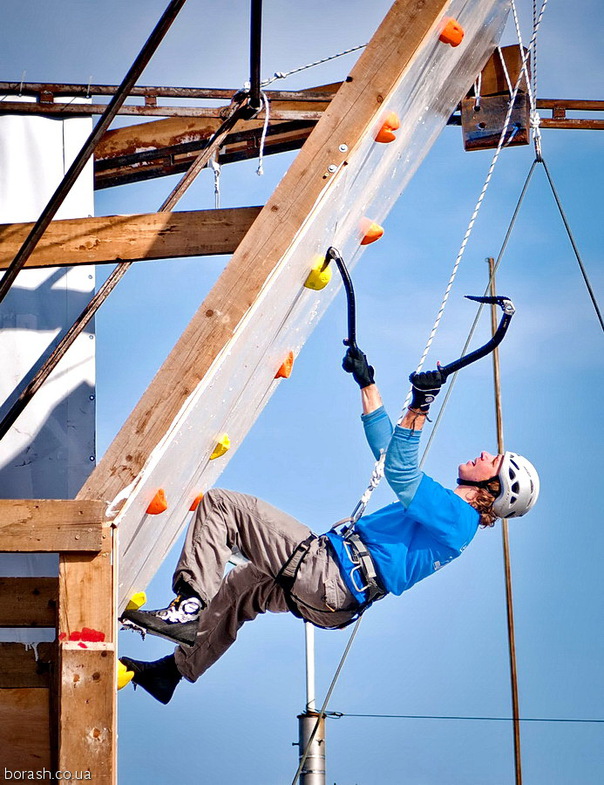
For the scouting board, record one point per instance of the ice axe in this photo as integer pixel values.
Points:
(507, 306)
(333, 255)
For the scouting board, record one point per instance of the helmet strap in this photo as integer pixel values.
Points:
(480, 484)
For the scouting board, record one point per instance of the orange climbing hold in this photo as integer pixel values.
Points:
(158, 503)
(391, 123)
(196, 501)
(285, 369)
(452, 33)
(370, 231)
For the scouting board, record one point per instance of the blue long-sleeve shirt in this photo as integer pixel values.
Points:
(425, 529)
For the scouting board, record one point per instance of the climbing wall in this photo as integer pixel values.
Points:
(347, 214)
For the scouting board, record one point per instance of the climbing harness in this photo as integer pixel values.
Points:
(288, 573)
(363, 573)
(364, 577)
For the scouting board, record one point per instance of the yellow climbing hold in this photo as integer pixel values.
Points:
(124, 676)
(222, 446)
(136, 601)
(319, 276)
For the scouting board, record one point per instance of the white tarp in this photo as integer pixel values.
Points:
(50, 450)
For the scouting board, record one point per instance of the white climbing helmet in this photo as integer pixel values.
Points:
(519, 486)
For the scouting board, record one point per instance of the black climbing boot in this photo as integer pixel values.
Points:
(178, 622)
(158, 678)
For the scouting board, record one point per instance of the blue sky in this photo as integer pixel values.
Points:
(441, 648)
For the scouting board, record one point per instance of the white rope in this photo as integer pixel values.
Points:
(260, 169)
(362, 505)
(216, 168)
(535, 118)
(534, 53)
(477, 90)
(284, 74)
(505, 71)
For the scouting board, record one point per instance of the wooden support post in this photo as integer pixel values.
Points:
(353, 110)
(87, 711)
(116, 238)
(87, 705)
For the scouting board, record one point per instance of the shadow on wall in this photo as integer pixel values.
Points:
(57, 460)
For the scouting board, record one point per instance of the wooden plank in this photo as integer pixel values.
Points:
(25, 730)
(26, 666)
(164, 161)
(87, 699)
(128, 140)
(28, 602)
(494, 81)
(352, 111)
(114, 238)
(50, 525)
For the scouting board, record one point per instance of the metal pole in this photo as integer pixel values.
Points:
(311, 724)
(506, 546)
(309, 638)
(255, 52)
(312, 735)
(82, 157)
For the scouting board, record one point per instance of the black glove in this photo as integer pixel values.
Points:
(355, 362)
(426, 386)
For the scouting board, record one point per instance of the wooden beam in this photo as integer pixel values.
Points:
(114, 238)
(177, 131)
(87, 731)
(22, 667)
(350, 114)
(164, 161)
(28, 602)
(25, 730)
(50, 525)
(165, 147)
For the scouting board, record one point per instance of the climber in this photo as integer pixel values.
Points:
(329, 580)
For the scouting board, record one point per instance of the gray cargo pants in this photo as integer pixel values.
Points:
(267, 537)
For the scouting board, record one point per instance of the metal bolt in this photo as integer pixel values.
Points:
(91, 397)
(332, 168)
(343, 148)
(91, 458)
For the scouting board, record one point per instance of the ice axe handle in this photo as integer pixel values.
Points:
(334, 255)
(507, 306)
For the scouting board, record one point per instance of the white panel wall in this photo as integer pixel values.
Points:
(50, 450)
